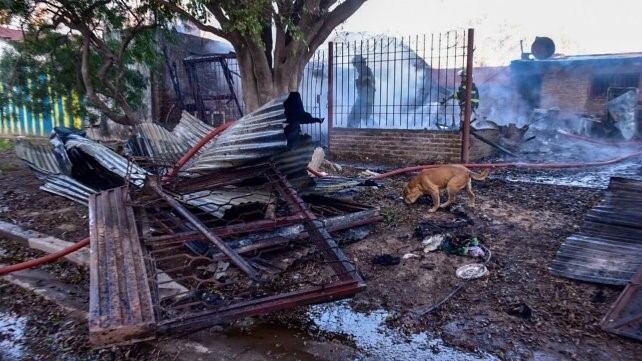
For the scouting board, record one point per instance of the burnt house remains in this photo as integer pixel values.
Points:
(582, 86)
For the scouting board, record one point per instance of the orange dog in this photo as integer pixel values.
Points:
(432, 181)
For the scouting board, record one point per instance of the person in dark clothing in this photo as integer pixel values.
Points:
(460, 95)
(295, 115)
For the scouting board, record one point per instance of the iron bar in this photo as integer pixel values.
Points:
(465, 129)
(237, 260)
(331, 70)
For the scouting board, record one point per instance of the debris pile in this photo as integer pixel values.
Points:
(607, 250)
(223, 239)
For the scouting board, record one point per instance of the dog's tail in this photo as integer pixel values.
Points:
(479, 176)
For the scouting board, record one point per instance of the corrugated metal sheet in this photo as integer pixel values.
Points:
(255, 136)
(39, 157)
(296, 160)
(163, 147)
(190, 129)
(625, 316)
(608, 246)
(109, 159)
(154, 141)
(44, 162)
(217, 202)
(67, 187)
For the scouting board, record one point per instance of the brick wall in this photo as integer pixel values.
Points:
(394, 146)
(566, 89)
(569, 88)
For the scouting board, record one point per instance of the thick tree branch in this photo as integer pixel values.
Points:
(192, 19)
(127, 119)
(333, 19)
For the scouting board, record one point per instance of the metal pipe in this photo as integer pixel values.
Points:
(465, 127)
(330, 90)
(237, 260)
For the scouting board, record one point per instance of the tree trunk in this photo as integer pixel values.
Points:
(262, 82)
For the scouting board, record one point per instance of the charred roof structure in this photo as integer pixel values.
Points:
(582, 85)
(216, 240)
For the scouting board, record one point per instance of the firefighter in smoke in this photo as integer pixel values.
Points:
(460, 95)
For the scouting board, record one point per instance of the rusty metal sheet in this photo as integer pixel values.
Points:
(214, 286)
(255, 136)
(625, 315)
(608, 246)
(120, 301)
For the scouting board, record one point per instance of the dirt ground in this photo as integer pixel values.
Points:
(518, 312)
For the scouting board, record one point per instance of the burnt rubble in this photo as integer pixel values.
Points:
(225, 238)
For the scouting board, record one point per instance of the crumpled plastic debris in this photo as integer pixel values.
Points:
(476, 251)
(369, 173)
(467, 247)
(433, 242)
(471, 271)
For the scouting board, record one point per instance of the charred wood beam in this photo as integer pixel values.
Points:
(493, 144)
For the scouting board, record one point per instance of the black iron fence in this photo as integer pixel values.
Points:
(314, 93)
(215, 87)
(387, 83)
(406, 82)
(381, 82)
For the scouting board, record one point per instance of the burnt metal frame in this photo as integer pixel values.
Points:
(624, 316)
(192, 76)
(349, 281)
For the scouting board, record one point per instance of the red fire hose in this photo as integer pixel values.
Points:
(597, 141)
(200, 144)
(504, 165)
(45, 259)
(516, 165)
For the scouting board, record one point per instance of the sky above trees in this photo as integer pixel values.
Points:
(576, 26)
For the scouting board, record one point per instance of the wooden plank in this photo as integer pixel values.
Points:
(121, 308)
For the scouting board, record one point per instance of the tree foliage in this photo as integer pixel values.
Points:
(95, 48)
(98, 47)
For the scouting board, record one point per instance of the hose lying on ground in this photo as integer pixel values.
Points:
(44, 259)
(516, 165)
(598, 141)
